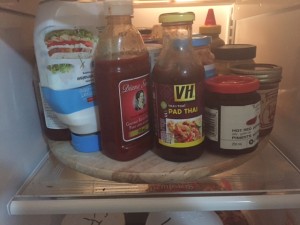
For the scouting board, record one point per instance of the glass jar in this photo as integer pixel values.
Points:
(201, 46)
(233, 54)
(122, 68)
(178, 86)
(232, 108)
(269, 76)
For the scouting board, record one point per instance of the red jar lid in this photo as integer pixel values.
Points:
(232, 84)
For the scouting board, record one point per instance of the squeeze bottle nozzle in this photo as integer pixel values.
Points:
(210, 18)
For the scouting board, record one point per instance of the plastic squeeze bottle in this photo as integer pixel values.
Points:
(122, 73)
(210, 28)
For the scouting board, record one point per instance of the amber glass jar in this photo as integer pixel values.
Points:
(232, 108)
(269, 76)
(178, 86)
(233, 54)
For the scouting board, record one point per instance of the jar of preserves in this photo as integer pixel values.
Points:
(233, 54)
(201, 46)
(122, 68)
(178, 86)
(269, 76)
(232, 108)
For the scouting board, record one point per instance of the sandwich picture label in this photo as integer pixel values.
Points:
(70, 43)
(67, 56)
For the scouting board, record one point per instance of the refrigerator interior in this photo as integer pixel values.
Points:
(23, 146)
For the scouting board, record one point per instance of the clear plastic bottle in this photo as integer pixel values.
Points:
(122, 68)
(210, 28)
(178, 86)
(201, 45)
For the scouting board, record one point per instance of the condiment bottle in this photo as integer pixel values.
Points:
(178, 86)
(232, 108)
(65, 39)
(210, 28)
(201, 46)
(233, 54)
(122, 68)
(269, 76)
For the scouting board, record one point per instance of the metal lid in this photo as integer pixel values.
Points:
(177, 17)
(200, 40)
(235, 52)
(265, 73)
(232, 84)
(118, 7)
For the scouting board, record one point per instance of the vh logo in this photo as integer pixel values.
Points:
(184, 92)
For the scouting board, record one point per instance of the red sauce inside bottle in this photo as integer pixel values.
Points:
(117, 112)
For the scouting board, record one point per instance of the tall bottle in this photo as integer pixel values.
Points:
(122, 70)
(178, 86)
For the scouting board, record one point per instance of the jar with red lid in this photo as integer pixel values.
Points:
(232, 108)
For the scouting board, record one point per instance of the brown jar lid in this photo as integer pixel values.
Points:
(235, 52)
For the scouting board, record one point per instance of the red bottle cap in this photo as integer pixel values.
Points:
(210, 18)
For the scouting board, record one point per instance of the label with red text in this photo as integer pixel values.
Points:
(133, 95)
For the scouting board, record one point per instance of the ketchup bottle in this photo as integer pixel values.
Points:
(178, 86)
(122, 68)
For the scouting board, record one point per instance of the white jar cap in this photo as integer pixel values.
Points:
(118, 7)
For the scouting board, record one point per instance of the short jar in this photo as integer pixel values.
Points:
(229, 55)
(201, 46)
(231, 118)
(269, 76)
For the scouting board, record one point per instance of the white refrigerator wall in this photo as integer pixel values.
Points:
(22, 145)
(277, 36)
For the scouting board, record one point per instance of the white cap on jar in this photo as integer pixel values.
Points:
(118, 7)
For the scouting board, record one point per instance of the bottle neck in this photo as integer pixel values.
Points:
(177, 35)
(119, 20)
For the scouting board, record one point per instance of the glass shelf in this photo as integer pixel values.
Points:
(266, 180)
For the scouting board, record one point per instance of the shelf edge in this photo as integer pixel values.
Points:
(154, 204)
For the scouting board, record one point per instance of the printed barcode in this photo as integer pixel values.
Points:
(211, 124)
(166, 137)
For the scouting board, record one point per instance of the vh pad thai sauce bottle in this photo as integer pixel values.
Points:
(178, 85)
(122, 73)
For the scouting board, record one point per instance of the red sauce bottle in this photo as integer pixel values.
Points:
(122, 70)
(178, 86)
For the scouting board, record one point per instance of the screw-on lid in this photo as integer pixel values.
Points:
(118, 7)
(232, 84)
(265, 73)
(235, 52)
(176, 17)
(200, 40)
(86, 143)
